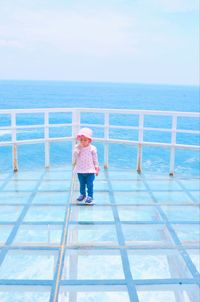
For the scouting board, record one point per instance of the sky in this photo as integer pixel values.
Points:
(136, 41)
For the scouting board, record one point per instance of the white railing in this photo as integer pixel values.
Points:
(106, 140)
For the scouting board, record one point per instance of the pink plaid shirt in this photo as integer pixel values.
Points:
(85, 159)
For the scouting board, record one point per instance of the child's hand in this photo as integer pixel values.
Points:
(97, 171)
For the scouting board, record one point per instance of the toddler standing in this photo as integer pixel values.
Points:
(86, 164)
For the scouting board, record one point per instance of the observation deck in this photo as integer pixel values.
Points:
(138, 243)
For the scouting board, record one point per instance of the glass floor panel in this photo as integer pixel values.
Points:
(50, 198)
(172, 197)
(138, 213)
(102, 197)
(195, 195)
(157, 264)
(166, 185)
(146, 235)
(10, 213)
(20, 185)
(45, 213)
(92, 264)
(190, 184)
(24, 293)
(139, 242)
(4, 233)
(14, 197)
(188, 234)
(127, 185)
(38, 235)
(168, 293)
(92, 235)
(95, 293)
(180, 213)
(26, 264)
(133, 198)
(91, 214)
(54, 185)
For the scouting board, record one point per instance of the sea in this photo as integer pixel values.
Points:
(65, 94)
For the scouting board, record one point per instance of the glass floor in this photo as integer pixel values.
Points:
(138, 243)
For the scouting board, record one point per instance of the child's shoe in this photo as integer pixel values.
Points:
(81, 198)
(89, 200)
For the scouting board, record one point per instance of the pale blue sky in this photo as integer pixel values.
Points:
(139, 41)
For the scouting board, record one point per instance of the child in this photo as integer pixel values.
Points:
(86, 164)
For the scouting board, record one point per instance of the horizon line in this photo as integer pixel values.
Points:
(103, 82)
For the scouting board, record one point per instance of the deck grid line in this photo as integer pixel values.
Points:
(183, 252)
(124, 255)
(60, 248)
(18, 222)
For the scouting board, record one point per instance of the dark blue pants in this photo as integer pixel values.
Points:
(86, 179)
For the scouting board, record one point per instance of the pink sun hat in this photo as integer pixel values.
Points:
(86, 132)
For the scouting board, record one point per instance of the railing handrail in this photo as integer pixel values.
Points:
(76, 124)
(102, 110)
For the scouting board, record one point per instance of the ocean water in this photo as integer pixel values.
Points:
(42, 94)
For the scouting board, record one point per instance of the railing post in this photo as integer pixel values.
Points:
(140, 141)
(46, 137)
(106, 137)
(173, 142)
(75, 125)
(14, 139)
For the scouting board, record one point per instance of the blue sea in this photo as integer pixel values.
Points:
(48, 94)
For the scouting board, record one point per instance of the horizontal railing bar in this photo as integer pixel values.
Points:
(98, 110)
(111, 141)
(100, 126)
(182, 146)
(95, 125)
(37, 141)
(37, 110)
(60, 125)
(33, 126)
(187, 131)
(154, 144)
(170, 130)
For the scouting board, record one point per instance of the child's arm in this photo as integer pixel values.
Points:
(95, 160)
(76, 152)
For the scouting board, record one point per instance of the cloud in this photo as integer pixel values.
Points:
(88, 31)
(72, 32)
(122, 40)
(176, 6)
(10, 43)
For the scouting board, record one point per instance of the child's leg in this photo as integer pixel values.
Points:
(82, 181)
(90, 180)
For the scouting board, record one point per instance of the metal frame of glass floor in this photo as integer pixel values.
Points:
(139, 242)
